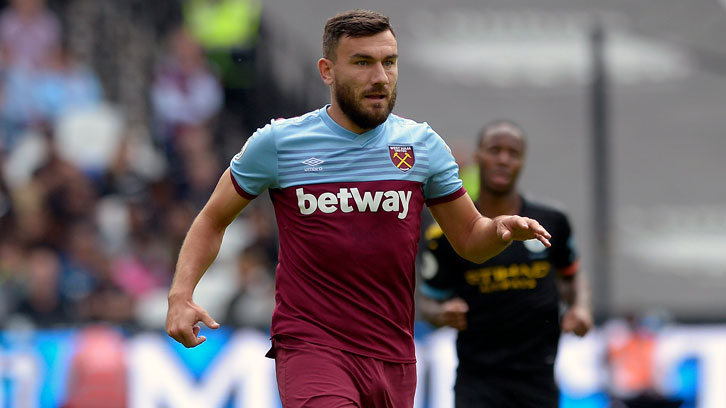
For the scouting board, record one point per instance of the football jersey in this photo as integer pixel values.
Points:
(348, 209)
(513, 318)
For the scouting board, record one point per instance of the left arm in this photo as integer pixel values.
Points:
(575, 292)
(478, 238)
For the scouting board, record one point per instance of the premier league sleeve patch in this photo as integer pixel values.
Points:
(402, 157)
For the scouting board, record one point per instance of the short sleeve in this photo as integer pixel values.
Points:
(254, 168)
(564, 252)
(443, 178)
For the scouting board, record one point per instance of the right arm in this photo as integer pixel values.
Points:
(197, 253)
(451, 312)
(440, 269)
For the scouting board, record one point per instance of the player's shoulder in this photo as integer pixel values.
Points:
(419, 132)
(399, 122)
(280, 131)
(295, 123)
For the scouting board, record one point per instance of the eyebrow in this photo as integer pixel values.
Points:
(366, 56)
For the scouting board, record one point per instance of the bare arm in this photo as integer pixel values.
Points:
(198, 251)
(575, 292)
(451, 312)
(477, 238)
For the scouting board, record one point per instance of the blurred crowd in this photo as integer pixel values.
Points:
(97, 190)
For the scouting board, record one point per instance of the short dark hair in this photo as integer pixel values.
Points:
(500, 123)
(353, 23)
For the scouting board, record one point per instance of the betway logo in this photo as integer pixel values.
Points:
(347, 201)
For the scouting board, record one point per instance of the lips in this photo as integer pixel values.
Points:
(502, 173)
(501, 177)
(376, 92)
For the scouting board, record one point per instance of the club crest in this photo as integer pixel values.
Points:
(402, 157)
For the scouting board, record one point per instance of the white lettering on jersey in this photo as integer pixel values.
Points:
(388, 201)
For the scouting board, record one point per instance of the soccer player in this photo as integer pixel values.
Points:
(348, 182)
(507, 308)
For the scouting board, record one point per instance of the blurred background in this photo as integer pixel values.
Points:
(118, 116)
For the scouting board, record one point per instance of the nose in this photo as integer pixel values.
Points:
(504, 157)
(379, 75)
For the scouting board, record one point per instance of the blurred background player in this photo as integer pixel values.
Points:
(506, 309)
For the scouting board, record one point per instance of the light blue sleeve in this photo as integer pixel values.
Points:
(443, 178)
(254, 168)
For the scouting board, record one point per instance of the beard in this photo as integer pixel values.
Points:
(353, 109)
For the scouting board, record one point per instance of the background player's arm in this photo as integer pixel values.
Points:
(440, 269)
(575, 292)
(198, 251)
(478, 238)
(450, 312)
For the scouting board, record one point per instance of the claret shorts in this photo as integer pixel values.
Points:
(315, 376)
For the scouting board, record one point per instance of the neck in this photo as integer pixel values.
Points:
(340, 118)
(494, 205)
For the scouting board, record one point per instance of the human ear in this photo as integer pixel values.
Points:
(325, 66)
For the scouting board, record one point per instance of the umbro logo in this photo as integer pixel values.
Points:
(313, 164)
(313, 161)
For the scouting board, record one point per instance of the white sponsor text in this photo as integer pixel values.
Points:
(348, 200)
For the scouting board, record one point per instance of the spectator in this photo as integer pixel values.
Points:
(228, 30)
(12, 267)
(38, 96)
(201, 174)
(254, 299)
(633, 372)
(41, 301)
(29, 31)
(185, 92)
(64, 84)
(98, 370)
(87, 280)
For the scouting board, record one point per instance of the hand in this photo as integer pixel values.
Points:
(514, 227)
(453, 313)
(182, 319)
(577, 320)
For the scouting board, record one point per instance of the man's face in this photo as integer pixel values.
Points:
(365, 78)
(500, 157)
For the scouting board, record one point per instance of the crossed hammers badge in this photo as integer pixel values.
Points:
(402, 157)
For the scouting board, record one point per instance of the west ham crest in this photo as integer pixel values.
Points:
(402, 157)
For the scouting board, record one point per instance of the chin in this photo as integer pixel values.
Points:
(499, 190)
(377, 110)
(376, 106)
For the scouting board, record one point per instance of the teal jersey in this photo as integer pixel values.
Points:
(348, 209)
